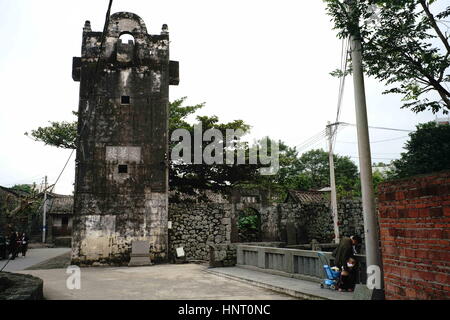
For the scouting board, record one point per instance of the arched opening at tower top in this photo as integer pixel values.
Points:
(127, 38)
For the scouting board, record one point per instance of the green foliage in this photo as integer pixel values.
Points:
(310, 171)
(377, 178)
(427, 151)
(23, 187)
(249, 225)
(58, 134)
(21, 212)
(203, 176)
(404, 45)
(316, 169)
(184, 176)
(306, 172)
(284, 179)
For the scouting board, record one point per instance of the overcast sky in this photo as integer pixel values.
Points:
(266, 62)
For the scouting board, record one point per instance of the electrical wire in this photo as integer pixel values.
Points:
(51, 191)
(311, 141)
(381, 128)
(378, 141)
(95, 75)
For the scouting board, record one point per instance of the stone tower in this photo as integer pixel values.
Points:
(121, 184)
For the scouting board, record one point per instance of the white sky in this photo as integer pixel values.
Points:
(266, 62)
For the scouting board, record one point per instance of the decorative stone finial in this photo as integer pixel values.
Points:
(165, 29)
(87, 26)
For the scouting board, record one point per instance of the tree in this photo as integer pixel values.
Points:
(310, 171)
(404, 45)
(381, 172)
(287, 176)
(315, 169)
(20, 209)
(184, 176)
(59, 134)
(24, 188)
(427, 151)
(216, 176)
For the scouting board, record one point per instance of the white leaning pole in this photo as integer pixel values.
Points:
(334, 208)
(372, 242)
(44, 214)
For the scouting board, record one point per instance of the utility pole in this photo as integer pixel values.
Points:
(334, 208)
(44, 215)
(373, 254)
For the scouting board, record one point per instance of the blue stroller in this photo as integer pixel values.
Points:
(331, 276)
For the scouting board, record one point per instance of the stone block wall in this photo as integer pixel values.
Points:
(314, 221)
(195, 225)
(415, 236)
(350, 218)
(222, 255)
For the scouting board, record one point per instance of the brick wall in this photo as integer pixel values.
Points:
(415, 236)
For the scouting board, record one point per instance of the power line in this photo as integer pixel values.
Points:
(382, 128)
(315, 138)
(374, 158)
(322, 134)
(102, 42)
(344, 61)
(65, 165)
(57, 179)
(311, 141)
(95, 75)
(378, 141)
(392, 139)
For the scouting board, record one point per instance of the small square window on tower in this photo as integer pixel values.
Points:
(123, 168)
(125, 100)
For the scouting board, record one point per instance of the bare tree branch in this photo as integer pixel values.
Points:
(434, 24)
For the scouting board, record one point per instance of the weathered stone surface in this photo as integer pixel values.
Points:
(121, 163)
(194, 225)
(140, 254)
(15, 286)
(364, 293)
(225, 255)
(197, 225)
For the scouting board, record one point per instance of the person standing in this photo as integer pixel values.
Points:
(18, 243)
(345, 250)
(24, 244)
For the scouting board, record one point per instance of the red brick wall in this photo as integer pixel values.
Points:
(415, 236)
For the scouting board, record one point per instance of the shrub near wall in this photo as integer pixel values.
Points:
(415, 236)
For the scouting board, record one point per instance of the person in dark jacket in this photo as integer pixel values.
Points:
(345, 250)
(24, 244)
(13, 245)
(18, 243)
(348, 277)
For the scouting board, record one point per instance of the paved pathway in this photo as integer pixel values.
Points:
(165, 282)
(298, 288)
(33, 256)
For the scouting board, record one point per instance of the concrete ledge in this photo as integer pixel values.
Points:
(294, 287)
(15, 286)
(282, 273)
